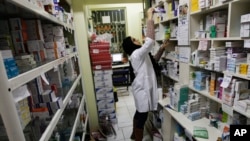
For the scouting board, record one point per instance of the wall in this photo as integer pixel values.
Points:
(133, 16)
(82, 46)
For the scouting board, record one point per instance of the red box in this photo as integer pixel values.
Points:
(101, 46)
(103, 57)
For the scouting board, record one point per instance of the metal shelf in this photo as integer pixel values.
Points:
(50, 128)
(237, 75)
(32, 74)
(210, 9)
(241, 112)
(40, 12)
(188, 124)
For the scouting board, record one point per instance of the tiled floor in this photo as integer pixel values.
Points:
(125, 110)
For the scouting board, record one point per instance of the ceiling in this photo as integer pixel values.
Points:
(111, 1)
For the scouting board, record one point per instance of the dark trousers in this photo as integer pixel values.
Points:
(141, 119)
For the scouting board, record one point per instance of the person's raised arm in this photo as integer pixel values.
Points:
(150, 24)
(159, 53)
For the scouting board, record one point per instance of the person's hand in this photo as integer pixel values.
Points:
(150, 13)
(165, 44)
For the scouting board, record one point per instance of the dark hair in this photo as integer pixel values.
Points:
(128, 46)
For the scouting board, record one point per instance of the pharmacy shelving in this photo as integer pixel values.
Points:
(237, 75)
(33, 73)
(242, 112)
(213, 133)
(201, 67)
(234, 10)
(219, 39)
(77, 119)
(50, 128)
(206, 94)
(41, 13)
(10, 117)
(210, 9)
(171, 77)
(85, 127)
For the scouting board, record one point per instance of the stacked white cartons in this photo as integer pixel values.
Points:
(219, 20)
(193, 110)
(229, 93)
(19, 34)
(220, 63)
(104, 94)
(35, 43)
(25, 61)
(218, 58)
(54, 41)
(34, 30)
(59, 39)
(173, 29)
(241, 100)
(23, 112)
(245, 26)
(232, 63)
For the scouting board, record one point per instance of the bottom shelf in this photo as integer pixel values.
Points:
(213, 133)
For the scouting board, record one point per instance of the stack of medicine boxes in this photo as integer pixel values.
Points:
(102, 66)
(181, 96)
(19, 34)
(9, 63)
(54, 41)
(199, 82)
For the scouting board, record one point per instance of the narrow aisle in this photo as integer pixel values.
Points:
(125, 110)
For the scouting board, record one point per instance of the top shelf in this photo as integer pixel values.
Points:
(40, 12)
(210, 9)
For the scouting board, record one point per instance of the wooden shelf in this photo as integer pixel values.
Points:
(32, 74)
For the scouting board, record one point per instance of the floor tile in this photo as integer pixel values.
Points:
(127, 132)
(125, 110)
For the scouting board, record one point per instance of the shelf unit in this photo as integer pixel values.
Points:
(173, 116)
(10, 117)
(234, 10)
(233, 32)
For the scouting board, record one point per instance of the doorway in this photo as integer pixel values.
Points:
(111, 21)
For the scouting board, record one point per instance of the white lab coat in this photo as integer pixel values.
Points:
(144, 86)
